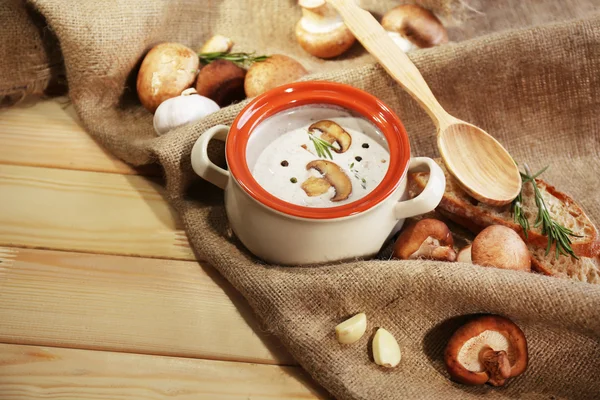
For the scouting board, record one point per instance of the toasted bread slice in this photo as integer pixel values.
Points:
(463, 210)
(562, 208)
(585, 269)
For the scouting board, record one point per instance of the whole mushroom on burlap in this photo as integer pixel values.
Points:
(489, 349)
(414, 27)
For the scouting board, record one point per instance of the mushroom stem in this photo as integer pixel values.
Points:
(496, 364)
(321, 14)
(318, 11)
(189, 91)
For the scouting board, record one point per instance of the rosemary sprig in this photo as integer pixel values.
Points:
(557, 234)
(242, 59)
(321, 146)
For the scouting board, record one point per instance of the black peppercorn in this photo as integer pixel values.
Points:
(365, 145)
(293, 180)
(284, 163)
(358, 158)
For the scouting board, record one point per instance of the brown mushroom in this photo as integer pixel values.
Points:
(487, 349)
(321, 31)
(428, 239)
(412, 26)
(500, 247)
(166, 71)
(464, 255)
(332, 132)
(221, 81)
(336, 177)
(314, 186)
(275, 71)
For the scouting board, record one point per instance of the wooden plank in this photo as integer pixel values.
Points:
(127, 304)
(88, 211)
(28, 372)
(48, 134)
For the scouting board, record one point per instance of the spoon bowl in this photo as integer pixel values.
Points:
(478, 161)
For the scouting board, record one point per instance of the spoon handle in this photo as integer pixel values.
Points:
(377, 42)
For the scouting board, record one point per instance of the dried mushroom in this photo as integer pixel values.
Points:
(487, 349)
(332, 132)
(335, 176)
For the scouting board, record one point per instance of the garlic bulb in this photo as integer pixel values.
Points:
(182, 110)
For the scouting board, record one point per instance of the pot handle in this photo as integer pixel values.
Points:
(202, 165)
(430, 197)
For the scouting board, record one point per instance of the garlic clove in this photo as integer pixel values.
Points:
(352, 329)
(386, 351)
(182, 110)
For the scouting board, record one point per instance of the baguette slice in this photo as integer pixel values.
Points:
(463, 210)
(585, 269)
(562, 208)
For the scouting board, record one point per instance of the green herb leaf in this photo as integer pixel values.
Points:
(321, 146)
(558, 235)
(242, 59)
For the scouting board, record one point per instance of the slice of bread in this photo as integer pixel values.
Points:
(561, 207)
(463, 210)
(585, 269)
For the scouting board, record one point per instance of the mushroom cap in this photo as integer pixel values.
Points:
(417, 24)
(462, 351)
(275, 71)
(332, 132)
(411, 239)
(167, 70)
(324, 44)
(500, 247)
(336, 177)
(221, 81)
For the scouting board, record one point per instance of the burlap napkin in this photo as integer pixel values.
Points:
(536, 89)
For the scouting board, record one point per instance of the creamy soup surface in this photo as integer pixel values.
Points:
(281, 167)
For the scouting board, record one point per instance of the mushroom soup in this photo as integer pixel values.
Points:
(317, 156)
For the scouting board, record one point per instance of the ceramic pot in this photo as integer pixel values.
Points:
(283, 233)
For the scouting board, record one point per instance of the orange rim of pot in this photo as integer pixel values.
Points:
(317, 92)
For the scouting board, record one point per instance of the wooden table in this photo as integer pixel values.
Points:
(100, 293)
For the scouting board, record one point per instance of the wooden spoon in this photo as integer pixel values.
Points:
(478, 161)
